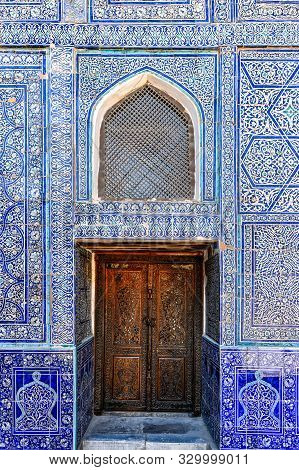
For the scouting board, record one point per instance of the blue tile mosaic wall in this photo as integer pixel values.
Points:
(160, 11)
(238, 62)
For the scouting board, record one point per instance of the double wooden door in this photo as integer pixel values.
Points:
(151, 326)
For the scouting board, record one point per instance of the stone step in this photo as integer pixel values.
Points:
(143, 442)
(113, 431)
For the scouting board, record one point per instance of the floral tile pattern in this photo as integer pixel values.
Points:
(85, 385)
(267, 10)
(259, 399)
(37, 11)
(61, 190)
(270, 309)
(138, 10)
(212, 293)
(268, 150)
(83, 286)
(98, 72)
(22, 187)
(154, 36)
(36, 400)
(211, 388)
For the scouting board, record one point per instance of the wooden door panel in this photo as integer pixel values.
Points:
(171, 379)
(149, 334)
(172, 337)
(125, 306)
(126, 378)
(171, 307)
(125, 336)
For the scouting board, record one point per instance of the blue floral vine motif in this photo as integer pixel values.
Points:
(36, 400)
(259, 400)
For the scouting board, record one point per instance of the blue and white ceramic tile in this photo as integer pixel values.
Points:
(211, 387)
(212, 298)
(259, 399)
(85, 387)
(61, 191)
(22, 187)
(267, 10)
(83, 286)
(37, 402)
(196, 74)
(270, 309)
(37, 11)
(158, 11)
(269, 127)
(166, 35)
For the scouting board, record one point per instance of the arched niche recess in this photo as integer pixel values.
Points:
(145, 85)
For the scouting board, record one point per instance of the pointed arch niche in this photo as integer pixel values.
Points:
(181, 100)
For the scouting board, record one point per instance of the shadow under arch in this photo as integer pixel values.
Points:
(127, 85)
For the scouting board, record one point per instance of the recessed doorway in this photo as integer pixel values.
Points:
(148, 328)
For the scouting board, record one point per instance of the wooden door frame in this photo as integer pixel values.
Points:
(164, 254)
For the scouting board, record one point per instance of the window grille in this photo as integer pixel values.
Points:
(147, 148)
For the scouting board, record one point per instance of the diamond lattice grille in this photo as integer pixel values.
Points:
(146, 148)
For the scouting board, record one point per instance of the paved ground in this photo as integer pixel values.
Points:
(119, 430)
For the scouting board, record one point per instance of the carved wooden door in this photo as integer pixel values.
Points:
(172, 337)
(149, 336)
(125, 336)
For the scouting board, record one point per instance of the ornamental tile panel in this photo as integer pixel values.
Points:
(212, 298)
(259, 393)
(37, 11)
(148, 220)
(36, 405)
(259, 399)
(269, 132)
(228, 253)
(22, 187)
(270, 260)
(150, 227)
(61, 166)
(156, 36)
(211, 388)
(222, 11)
(267, 10)
(83, 286)
(141, 10)
(195, 74)
(85, 387)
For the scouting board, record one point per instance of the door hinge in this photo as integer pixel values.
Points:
(149, 293)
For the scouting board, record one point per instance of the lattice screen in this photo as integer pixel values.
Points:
(146, 149)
